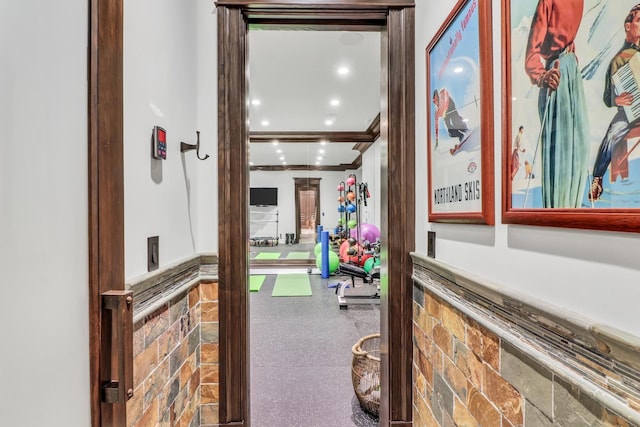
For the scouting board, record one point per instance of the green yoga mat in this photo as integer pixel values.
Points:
(268, 255)
(255, 282)
(292, 285)
(298, 255)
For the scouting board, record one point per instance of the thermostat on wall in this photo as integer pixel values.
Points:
(159, 150)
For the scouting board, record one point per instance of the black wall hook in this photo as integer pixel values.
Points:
(186, 147)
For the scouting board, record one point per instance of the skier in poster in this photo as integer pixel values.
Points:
(619, 126)
(552, 65)
(515, 155)
(446, 109)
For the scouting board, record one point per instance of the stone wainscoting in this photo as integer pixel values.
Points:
(175, 345)
(486, 357)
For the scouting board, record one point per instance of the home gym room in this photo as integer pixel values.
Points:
(314, 227)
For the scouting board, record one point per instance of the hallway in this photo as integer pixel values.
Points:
(300, 354)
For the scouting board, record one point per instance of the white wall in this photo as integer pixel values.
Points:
(207, 237)
(284, 180)
(591, 273)
(370, 172)
(44, 325)
(169, 81)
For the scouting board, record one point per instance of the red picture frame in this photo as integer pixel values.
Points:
(598, 209)
(460, 133)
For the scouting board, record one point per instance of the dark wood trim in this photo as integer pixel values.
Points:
(374, 132)
(106, 194)
(319, 5)
(397, 128)
(356, 163)
(310, 137)
(233, 184)
(279, 168)
(364, 141)
(301, 184)
(399, 182)
(374, 127)
(362, 147)
(303, 24)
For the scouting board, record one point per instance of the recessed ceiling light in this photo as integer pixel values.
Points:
(331, 118)
(317, 163)
(335, 102)
(250, 163)
(265, 123)
(319, 157)
(278, 151)
(255, 102)
(458, 70)
(274, 142)
(343, 71)
(321, 151)
(281, 157)
(284, 163)
(323, 142)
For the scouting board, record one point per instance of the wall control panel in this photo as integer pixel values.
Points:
(159, 149)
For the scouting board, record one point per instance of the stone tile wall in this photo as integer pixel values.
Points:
(176, 361)
(209, 378)
(465, 374)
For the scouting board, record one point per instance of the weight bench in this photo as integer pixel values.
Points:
(355, 271)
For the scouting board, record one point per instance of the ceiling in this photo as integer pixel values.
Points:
(294, 76)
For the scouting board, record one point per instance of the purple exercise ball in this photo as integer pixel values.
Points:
(368, 232)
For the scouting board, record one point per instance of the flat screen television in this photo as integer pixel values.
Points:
(263, 196)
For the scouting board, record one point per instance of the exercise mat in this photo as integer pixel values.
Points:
(268, 255)
(299, 255)
(292, 285)
(256, 282)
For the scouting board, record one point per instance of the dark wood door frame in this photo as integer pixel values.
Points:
(302, 184)
(395, 20)
(106, 196)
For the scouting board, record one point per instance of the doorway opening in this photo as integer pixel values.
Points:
(307, 191)
(395, 20)
(307, 218)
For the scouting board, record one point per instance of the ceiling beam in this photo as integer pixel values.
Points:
(373, 131)
(335, 168)
(307, 137)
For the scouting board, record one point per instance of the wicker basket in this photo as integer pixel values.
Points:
(365, 372)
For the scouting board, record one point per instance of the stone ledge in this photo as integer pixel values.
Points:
(604, 340)
(600, 360)
(152, 290)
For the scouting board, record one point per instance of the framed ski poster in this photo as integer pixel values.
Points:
(460, 117)
(571, 98)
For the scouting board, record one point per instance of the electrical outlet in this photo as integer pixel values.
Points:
(153, 253)
(431, 244)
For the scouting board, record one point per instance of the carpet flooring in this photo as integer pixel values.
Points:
(300, 357)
